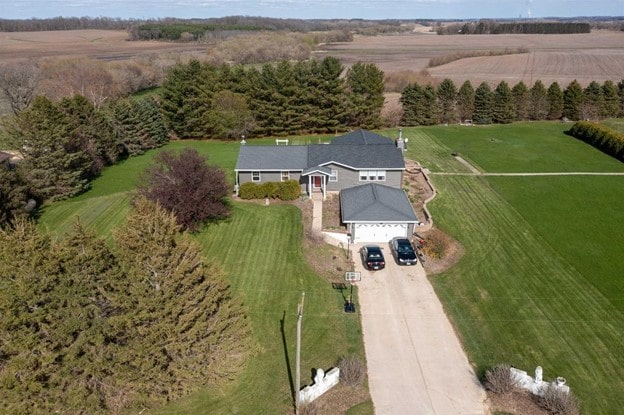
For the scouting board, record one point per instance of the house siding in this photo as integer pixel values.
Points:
(350, 178)
(267, 176)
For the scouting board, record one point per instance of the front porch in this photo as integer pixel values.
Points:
(317, 180)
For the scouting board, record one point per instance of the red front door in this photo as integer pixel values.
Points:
(317, 182)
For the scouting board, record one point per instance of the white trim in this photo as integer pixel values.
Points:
(362, 168)
(376, 174)
(253, 178)
(287, 175)
(333, 177)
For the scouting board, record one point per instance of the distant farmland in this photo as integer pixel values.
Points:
(586, 57)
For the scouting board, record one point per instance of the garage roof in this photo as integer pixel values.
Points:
(374, 202)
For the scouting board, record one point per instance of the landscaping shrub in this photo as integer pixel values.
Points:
(289, 190)
(559, 402)
(351, 371)
(499, 379)
(248, 190)
(436, 244)
(268, 189)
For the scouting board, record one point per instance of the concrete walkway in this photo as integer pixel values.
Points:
(317, 212)
(416, 364)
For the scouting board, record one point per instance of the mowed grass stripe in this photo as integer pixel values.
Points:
(101, 214)
(260, 250)
(514, 299)
(429, 151)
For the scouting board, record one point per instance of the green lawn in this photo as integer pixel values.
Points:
(540, 283)
(261, 251)
(520, 147)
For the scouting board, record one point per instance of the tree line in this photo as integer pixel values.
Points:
(200, 100)
(87, 328)
(600, 136)
(65, 144)
(430, 105)
(492, 27)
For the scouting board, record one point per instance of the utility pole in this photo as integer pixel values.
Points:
(298, 357)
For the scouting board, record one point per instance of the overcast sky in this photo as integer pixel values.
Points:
(308, 9)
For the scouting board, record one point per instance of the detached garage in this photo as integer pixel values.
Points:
(376, 213)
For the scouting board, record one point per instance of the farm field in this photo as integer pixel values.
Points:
(106, 45)
(539, 283)
(269, 284)
(586, 57)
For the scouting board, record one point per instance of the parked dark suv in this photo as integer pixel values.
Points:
(372, 257)
(403, 251)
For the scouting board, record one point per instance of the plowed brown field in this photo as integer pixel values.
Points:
(586, 57)
(105, 45)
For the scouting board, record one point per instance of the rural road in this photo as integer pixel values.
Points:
(416, 364)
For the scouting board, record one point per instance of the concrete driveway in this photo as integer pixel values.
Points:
(416, 364)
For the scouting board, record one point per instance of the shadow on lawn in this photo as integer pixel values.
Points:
(288, 368)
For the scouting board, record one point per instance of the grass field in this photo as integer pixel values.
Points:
(540, 283)
(260, 249)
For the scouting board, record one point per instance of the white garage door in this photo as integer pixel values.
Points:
(379, 232)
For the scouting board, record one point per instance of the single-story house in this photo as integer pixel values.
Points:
(366, 168)
(349, 160)
(376, 213)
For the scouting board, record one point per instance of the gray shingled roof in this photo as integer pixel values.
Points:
(351, 153)
(356, 156)
(272, 158)
(374, 202)
(362, 137)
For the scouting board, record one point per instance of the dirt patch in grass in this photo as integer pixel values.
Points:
(338, 400)
(453, 252)
(517, 403)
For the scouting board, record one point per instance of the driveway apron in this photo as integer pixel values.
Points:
(416, 364)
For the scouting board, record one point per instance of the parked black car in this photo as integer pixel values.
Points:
(403, 251)
(372, 257)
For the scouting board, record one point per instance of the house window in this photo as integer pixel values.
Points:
(285, 176)
(333, 177)
(372, 175)
(255, 176)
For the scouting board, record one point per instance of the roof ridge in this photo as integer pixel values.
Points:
(363, 136)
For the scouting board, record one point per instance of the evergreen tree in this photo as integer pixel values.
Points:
(94, 132)
(447, 96)
(53, 331)
(324, 92)
(430, 115)
(593, 101)
(55, 164)
(611, 107)
(502, 104)
(176, 323)
(539, 101)
(555, 101)
(412, 102)
(572, 101)
(139, 124)
(365, 99)
(14, 195)
(483, 104)
(465, 101)
(187, 96)
(621, 95)
(521, 99)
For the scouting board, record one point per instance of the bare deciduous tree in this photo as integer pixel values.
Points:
(18, 83)
(89, 78)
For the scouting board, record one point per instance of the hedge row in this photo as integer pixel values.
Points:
(603, 138)
(288, 190)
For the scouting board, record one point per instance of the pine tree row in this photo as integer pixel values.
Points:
(202, 101)
(427, 105)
